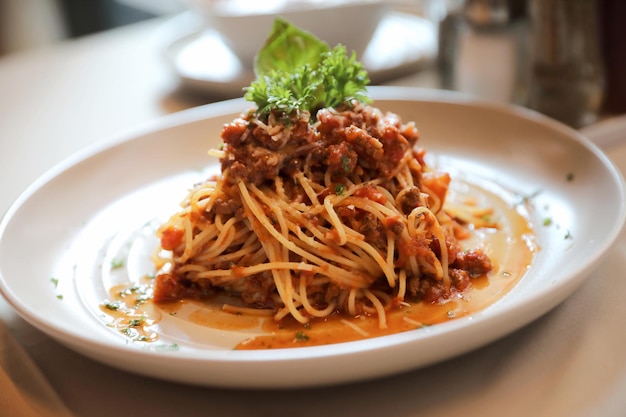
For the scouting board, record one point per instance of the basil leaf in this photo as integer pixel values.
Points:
(287, 48)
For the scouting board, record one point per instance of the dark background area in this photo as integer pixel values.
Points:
(83, 17)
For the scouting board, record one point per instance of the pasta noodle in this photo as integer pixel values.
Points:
(314, 218)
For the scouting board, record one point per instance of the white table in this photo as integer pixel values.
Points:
(571, 362)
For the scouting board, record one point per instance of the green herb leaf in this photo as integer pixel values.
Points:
(136, 322)
(288, 48)
(295, 71)
(113, 305)
(171, 347)
(301, 337)
(345, 163)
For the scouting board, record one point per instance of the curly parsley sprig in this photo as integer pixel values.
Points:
(295, 71)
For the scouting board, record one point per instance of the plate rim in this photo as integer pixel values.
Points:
(607, 133)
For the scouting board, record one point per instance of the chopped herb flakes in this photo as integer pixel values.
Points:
(136, 322)
(114, 306)
(345, 163)
(301, 337)
(524, 199)
(172, 347)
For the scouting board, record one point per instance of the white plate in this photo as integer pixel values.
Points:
(608, 132)
(402, 44)
(60, 225)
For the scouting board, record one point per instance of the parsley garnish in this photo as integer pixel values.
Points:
(116, 263)
(295, 71)
(301, 337)
(112, 305)
(345, 163)
(136, 322)
(525, 199)
(171, 347)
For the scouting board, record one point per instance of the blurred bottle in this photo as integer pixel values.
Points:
(483, 49)
(567, 75)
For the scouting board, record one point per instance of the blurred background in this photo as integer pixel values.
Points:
(560, 57)
(35, 23)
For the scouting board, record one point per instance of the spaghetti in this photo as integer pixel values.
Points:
(318, 215)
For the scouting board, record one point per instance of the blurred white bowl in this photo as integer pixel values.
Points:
(245, 24)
